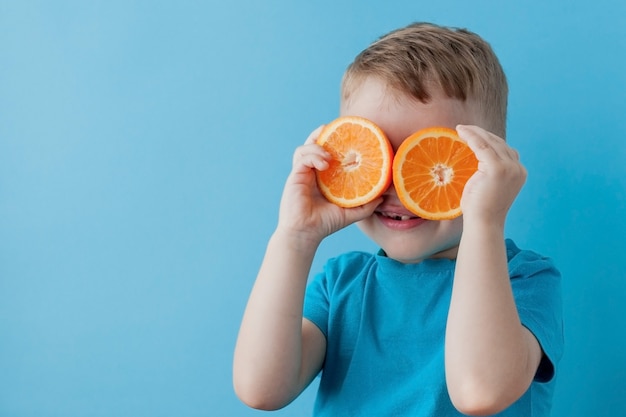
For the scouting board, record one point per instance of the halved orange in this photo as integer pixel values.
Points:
(360, 168)
(430, 170)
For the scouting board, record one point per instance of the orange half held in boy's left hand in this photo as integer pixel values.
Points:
(430, 170)
(360, 168)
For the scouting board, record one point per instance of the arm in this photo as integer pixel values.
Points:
(490, 357)
(278, 352)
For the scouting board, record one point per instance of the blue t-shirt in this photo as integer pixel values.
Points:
(384, 323)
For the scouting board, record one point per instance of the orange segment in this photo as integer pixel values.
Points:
(360, 168)
(430, 170)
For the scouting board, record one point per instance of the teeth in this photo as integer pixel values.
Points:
(396, 216)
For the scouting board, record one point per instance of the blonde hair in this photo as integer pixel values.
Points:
(422, 56)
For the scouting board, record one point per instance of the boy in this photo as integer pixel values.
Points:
(448, 317)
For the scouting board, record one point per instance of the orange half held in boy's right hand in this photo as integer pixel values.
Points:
(360, 168)
(430, 170)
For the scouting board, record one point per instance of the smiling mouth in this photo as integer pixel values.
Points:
(396, 216)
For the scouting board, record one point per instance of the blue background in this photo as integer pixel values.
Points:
(143, 148)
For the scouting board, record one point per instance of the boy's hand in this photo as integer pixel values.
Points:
(490, 192)
(303, 209)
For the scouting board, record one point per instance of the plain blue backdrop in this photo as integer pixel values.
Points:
(143, 148)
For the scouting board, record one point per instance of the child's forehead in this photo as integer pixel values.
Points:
(398, 114)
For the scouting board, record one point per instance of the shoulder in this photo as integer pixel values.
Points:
(340, 279)
(349, 263)
(350, 260)
(527, 263)
(346, 269)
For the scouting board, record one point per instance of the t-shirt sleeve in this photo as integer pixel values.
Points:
(536, 287)
(316, 302)
(323, 287)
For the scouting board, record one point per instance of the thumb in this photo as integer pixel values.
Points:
(359, 213)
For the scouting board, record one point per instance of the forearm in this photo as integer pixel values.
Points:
(490, 356)
(268, 355)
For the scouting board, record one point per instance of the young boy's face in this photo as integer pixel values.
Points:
(401, 234)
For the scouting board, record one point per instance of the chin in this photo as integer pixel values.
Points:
(411, 255)
(405, 255)
(431, 239)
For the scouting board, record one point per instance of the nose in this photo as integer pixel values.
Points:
(390, 191)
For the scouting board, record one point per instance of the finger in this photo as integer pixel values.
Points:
(313, 136)
(311, 149)
(477, 140)
(356, 214)
(514, 154)
(311, 156)
(485, 143)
